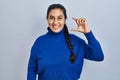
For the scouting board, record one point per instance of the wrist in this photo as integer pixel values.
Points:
(87, 31)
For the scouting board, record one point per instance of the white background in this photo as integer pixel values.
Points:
(22, 21)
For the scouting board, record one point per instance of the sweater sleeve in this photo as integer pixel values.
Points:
(93, 50)
(32, 64)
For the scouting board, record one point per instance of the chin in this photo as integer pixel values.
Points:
(56, 31)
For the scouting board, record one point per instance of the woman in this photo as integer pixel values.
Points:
(58, 55)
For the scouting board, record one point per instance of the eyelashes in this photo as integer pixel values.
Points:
(58, 18)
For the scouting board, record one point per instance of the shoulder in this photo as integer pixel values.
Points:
(40, 39)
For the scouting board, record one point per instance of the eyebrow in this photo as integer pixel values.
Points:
(57, 16)
(60, 16)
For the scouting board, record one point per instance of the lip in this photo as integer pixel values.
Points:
(55, 26)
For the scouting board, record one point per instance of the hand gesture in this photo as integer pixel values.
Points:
(82, 25)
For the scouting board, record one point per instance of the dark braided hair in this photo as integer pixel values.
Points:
(67, 37)
(66, 33)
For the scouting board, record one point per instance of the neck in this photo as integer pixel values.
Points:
(50, 32)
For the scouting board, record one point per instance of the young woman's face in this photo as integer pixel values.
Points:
(56, 20)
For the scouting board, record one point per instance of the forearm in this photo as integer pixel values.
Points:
(94, 50)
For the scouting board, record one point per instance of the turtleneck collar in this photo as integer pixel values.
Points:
(50, 32)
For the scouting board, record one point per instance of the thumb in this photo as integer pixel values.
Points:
(74, 29)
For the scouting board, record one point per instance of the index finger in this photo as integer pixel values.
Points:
(75, 19)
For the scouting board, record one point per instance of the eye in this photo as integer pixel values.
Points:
(60, 17)
(51, 17)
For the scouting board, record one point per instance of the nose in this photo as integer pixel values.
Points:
(55, 21)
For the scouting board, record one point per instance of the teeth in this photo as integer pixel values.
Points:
(55, 26)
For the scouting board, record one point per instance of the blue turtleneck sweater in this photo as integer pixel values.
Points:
(50, 56)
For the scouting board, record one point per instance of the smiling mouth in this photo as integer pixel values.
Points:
(56, 26)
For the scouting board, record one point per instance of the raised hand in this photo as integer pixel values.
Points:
(82, 25)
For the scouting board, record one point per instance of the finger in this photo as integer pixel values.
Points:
(75, 19)
(80, 20)
(74, 29)
(84, 20)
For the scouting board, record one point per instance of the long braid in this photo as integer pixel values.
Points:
(69, 44)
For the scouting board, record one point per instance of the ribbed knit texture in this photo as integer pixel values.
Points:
(50, 56)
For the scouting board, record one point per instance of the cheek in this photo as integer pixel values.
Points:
(63, 22)
(50, 22)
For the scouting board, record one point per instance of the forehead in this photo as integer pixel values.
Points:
(56, 12)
